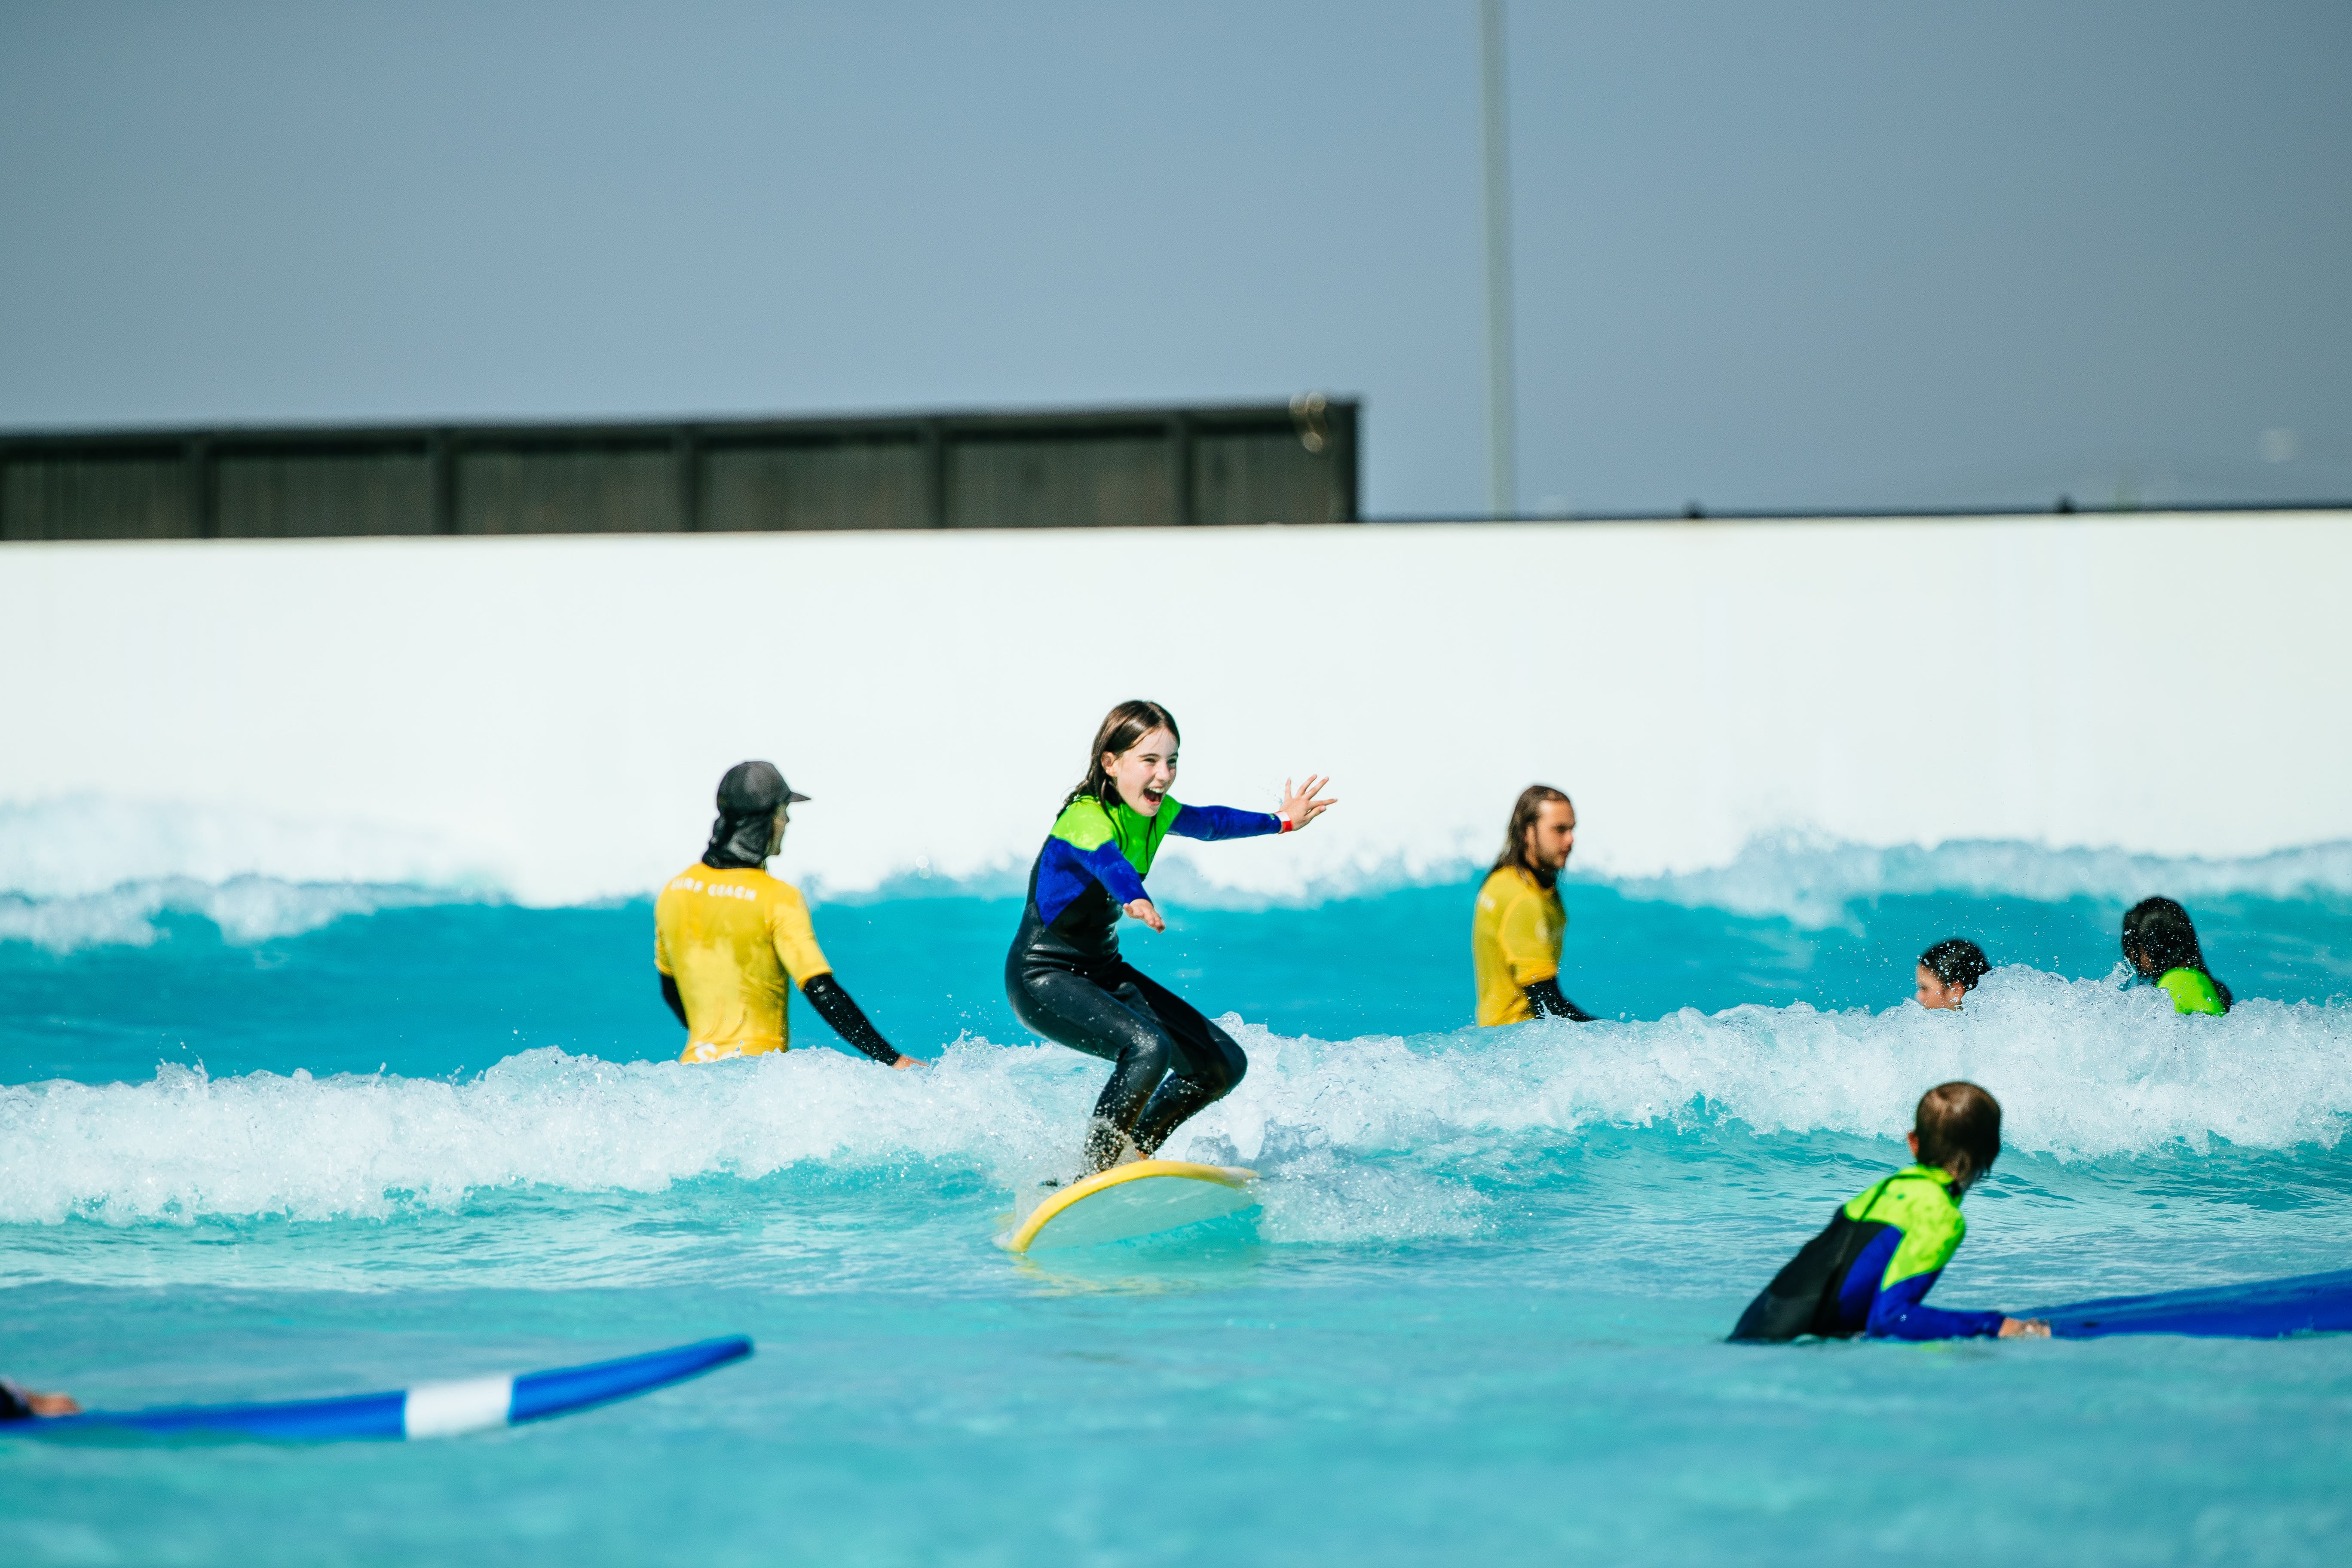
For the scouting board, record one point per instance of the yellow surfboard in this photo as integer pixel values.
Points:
(1142, 1197)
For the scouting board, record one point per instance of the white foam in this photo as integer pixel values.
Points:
(81, 845)
(89, 872)
(2082, 1069)
(246, 909)
(1815, 880)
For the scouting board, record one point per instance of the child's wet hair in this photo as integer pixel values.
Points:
(2164, 934)
(2159, 936)
(1959, 1126)
(1956, 961)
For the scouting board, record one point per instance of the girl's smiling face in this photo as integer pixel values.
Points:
(1145, 772)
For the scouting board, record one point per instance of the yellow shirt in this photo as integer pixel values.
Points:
(1514, 942)
(730, 939)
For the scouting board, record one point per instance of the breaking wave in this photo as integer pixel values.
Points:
(83, 844)
(85, 873)
(246, 910)
(1814, 882)
(2086, 1071)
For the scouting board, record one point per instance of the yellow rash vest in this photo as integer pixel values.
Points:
(1514, 938)
(731, 939)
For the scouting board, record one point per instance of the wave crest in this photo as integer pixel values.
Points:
(1813, 881)
(2082, 1070)
(245, 910)
(87, 871)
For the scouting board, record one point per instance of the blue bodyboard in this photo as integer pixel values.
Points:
(2263, 1309)
(427, 1410)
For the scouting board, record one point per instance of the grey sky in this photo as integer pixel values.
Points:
(1803, 254)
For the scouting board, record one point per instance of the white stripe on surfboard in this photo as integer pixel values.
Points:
(448, 1409)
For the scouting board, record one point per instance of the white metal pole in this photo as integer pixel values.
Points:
(1502, 412)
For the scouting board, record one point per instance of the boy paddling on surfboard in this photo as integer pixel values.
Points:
(1870, 1270)
(1065, 975)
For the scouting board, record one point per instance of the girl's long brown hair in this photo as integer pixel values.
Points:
(1122, 728)
(1524, 813)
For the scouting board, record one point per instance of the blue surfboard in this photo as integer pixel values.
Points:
(2263, 1309)
(427, 1410)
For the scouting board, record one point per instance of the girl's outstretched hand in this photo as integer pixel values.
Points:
(1141, 910)
(1300, 806)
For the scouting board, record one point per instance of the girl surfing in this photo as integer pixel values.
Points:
(1064, 974)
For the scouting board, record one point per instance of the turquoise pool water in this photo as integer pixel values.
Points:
(259, 1141)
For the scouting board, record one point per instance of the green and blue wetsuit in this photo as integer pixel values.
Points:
(1095, 860)
(1869, 1271)
(1067, 981)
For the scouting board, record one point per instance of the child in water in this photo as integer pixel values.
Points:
(2160, 944)
(1948, 972)
(1065, 975)
(1869, 1271)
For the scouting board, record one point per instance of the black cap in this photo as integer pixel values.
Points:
(753, 787)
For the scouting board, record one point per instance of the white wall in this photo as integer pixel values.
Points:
(557, 711)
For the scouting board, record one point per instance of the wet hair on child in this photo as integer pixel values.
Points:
(2158, 937)
(1956, 961)
(1959, 1126)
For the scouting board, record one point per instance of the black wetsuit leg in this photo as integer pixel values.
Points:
(1168, 1061)
(1209, 1066)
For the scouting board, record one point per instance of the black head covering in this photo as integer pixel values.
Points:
(748, 798)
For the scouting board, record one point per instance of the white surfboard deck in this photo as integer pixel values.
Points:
(1142, 1197)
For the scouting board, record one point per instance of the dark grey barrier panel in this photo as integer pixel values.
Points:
(563, 489)
(1245, 477)
(1124, 467)
(1106, 479)
(122, 493)
(297, 494)
(881, 483)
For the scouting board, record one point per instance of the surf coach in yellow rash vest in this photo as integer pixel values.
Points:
(1516, 931)
(728, 937)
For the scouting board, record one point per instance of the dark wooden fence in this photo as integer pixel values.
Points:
(1113, 469)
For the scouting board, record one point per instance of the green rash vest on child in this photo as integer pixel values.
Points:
(2191, 992)
(1869, 1271)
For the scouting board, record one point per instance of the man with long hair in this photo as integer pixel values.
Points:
(1515, 934)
